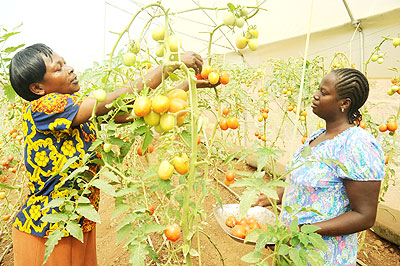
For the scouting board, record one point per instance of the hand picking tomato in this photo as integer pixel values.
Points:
(172, 232)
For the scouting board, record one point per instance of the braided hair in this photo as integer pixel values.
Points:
(352, 84)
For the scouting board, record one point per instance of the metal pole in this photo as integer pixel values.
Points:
(357, 23)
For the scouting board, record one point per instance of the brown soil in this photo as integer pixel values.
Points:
(376, 250)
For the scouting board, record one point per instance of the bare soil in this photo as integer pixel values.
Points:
(376, 251)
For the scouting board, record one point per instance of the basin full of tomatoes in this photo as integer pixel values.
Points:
(240, 228)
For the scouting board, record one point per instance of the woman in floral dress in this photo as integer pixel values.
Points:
(345, 193)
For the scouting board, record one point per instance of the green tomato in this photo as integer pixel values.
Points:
(100, 95)
(158, 129)
(396, 42)
(253, 44)
(160, 50)
(134, 47)
(167, 122)
(239, 22)
(152, 119)
(390, 91)
(129, 59)
(374, 58)
(229, 19)
(244, 12)
(107, 147)
(158, 33)
(174, 43)
(380, 60)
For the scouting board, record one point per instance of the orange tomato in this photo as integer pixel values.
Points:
(206, 71)
(254, 225)
(243, 221)
(225, 111)
(160, 104)
(392, 125)
(173, 232)
(198, 76)
(142, 106)
(386, 159)
(230, 175)
(382, 127)
(265, 115)
(228, 183)
(223, 123)
(260, 118)
(151, 209)
(224, 78)
(178, 93)
(232, 122)
(363, 124)
(177, 105)
(239, 231)
(231, 221)
(303, 139)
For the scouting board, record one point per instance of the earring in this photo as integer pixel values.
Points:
(342, 110)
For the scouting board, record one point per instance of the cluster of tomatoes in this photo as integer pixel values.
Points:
(174, 43)
(180, 164)
(162, 111)
(288, 92)
(249, 38)
(395, 87)
(230, 122)
(378, 57)
(149, 149)
(6, 162)
(213, 75)
(391, 126)
(260, 137)
(236, 17)
(229, 178)
(16, 136)
(263, 115)
(243, 226)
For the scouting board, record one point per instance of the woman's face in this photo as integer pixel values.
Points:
(59, 76)
(325, 103)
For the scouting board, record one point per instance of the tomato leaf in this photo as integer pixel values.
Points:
(124, 232)
(246, 200)
(309, 228)
(9, 92)
(75, 230)
(283, 250)
(51, 242)
(89, 212)
(148, 138)
(104, 186)
(294, 255)
(120, 208)
(252, 257)
(152, 228)
(54, 217)
(55, 203)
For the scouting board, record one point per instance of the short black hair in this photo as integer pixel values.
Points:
(27, 67)
(352, 84)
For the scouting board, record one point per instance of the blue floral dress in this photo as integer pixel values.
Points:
(320, 185)
(50, 140)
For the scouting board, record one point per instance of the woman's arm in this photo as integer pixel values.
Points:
(264, 201)
(363, 197)
(152, 80)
